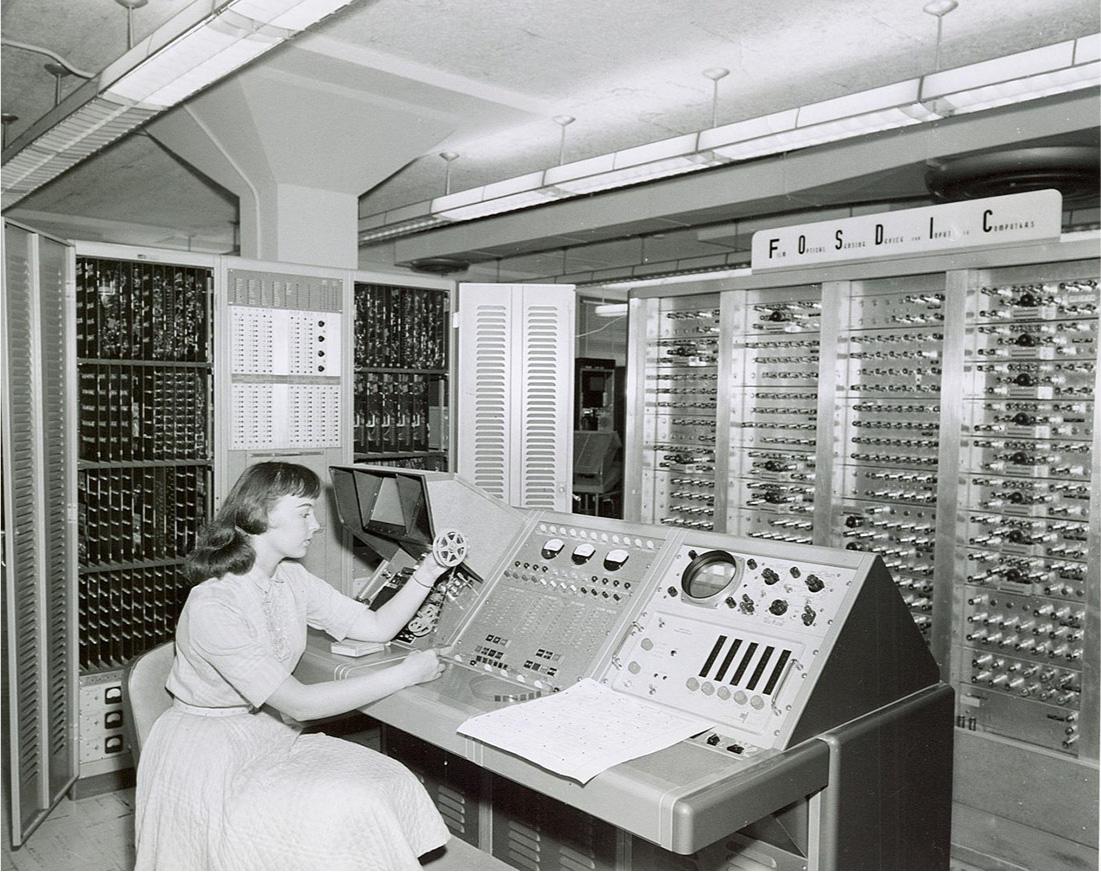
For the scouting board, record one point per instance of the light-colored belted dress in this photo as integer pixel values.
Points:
(225, 783)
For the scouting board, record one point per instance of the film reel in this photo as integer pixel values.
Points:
(449, 548)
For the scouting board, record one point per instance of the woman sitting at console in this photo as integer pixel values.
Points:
(227, 779)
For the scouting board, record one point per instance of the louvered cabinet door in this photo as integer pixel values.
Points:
(515, 379)
(485, 404)
(39, 633)
(545, 425)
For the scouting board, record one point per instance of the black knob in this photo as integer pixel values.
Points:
(854, 521)
(730, 602)
(769, 575)
(672, 591)
(1023, 419)
(1026, 340)
(814, 583)
(1024, 379)
(778, 607)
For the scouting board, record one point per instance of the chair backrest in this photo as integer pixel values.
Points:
(143, 693)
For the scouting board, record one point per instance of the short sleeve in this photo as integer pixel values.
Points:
(327, 608)
(221, 636)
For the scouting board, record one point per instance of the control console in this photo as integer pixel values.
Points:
(559, 599)
(745, 636)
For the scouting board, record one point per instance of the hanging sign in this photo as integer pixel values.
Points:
(1012, 219)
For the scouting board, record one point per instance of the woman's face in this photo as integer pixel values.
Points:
(291, 525)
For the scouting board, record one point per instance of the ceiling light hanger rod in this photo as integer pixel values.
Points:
(58, 72)
(130, 6)
(7, 118)
(938, 9)
(562, 121)
(714, 74)
(448, 157)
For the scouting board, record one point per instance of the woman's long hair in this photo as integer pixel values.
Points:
(223, 545)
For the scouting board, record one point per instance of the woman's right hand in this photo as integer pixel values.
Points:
(423, 666)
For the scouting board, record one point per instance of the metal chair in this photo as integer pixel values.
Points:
(144, 697)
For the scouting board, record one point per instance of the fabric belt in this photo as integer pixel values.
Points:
(207, 712)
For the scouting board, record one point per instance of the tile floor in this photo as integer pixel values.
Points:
(96, 832)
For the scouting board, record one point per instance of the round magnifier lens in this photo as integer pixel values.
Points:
(709, 574)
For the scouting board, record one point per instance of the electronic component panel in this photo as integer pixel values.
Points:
(681, 395)
(144, 377)
(285, 360)
(559, 600)
(888, 420)
(400, 408)
(757, 640)
(774, 412)
(1026, 461)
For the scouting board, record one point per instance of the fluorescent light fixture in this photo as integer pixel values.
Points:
(192, 62)
(753, 128)
(655, 160)
(1087, 48)
(860, 114)
(1019, 90)
(500, 204)
(506, 194)
(673, 166)
(222, 42)
(288, 14)
(195, 48)
(1029, 75)
(610, 310)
